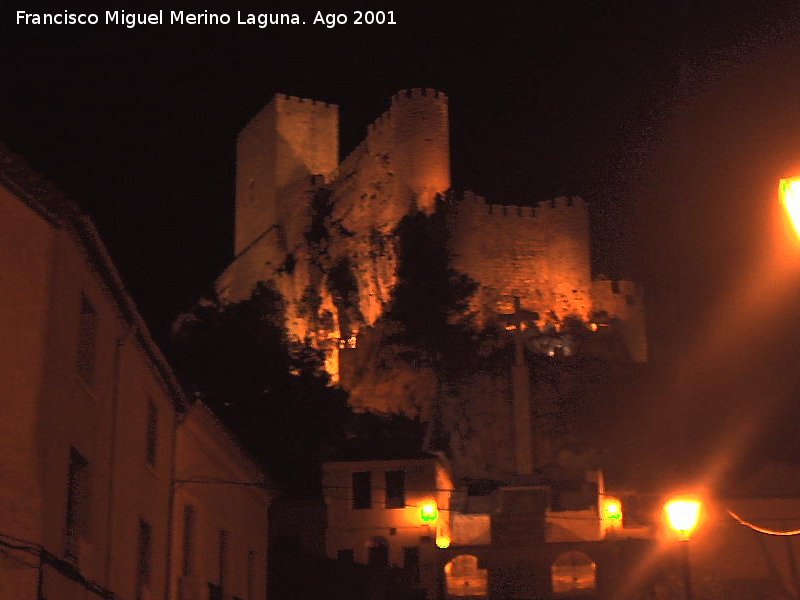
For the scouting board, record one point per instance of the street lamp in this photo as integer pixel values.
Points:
(789, 193)
(683, 516)
(428, 512)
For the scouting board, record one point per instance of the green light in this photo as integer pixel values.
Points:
(428, 512)
(612, 509)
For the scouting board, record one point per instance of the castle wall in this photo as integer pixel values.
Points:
(566, 224)
(290, 138)
(399, 168)
(540, 255)
(421, 144)
(623, 301)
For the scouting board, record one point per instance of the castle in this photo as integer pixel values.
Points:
(305, 221)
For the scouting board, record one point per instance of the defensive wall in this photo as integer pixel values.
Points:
(288, 154)
(538, 254)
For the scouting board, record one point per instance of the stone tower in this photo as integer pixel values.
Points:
(289, 180)
(291, 138)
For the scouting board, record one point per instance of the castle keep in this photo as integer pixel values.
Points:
(306, 222)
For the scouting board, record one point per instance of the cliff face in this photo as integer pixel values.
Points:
(325, 233)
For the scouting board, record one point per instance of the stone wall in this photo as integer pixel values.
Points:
(288, 140)
(305, 224)
(540, 255)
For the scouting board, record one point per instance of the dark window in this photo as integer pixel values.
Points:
(188, 539)
(345, 555)
(143, 558)
(223, 557)
(215, 592)
(151, 442)
(76, 520)
(378, 553)
(87, 340)
(395, 489)
(251, 574)
(411, 561)
(362, 490)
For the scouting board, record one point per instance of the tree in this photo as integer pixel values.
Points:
(431, 301)
(271, 391)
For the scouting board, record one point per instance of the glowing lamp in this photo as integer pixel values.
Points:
(443, 541)
(612, 511)
(428, 511)
(683, 516)
(789, 193)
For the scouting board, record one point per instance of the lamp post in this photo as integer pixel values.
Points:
(683, 516)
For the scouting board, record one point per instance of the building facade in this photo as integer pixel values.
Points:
(220, 515)
(93, 414)
(381, 512)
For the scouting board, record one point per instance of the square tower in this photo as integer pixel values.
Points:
(289, 139)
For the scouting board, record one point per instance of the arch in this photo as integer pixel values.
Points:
(464, 579)
(573, 573)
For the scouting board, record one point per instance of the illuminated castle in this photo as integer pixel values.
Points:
(324, 232)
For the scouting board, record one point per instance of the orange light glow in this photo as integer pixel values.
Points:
(612, 512)
(683, 516)
(443, 541)
(428, 511)
(593, 326)
(789, 192)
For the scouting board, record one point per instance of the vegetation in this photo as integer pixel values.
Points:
(271, 391)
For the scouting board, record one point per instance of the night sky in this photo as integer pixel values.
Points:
(674, 120)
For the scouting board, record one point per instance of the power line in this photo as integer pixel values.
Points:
(763, 530)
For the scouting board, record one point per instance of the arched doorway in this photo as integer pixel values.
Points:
(464, 579)
(573, 573)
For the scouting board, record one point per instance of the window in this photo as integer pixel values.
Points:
(345, 555)
(87, 339)
(251, 574)
(222, 565)
(395, 489)
(143, 558)
(411, 562)
(378, 552)
(573, 573)
(151, 441)
(76, 519)
(215, 592)
(362, 490)
(188, 540)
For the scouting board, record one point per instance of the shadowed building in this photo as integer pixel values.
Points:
(94, 421)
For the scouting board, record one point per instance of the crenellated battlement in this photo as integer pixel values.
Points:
(298, 100)
(563, 202)
(378, 124)
(475, 202)
(510, 210)
(417, 93)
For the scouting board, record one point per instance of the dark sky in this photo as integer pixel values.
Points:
(673, 119)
